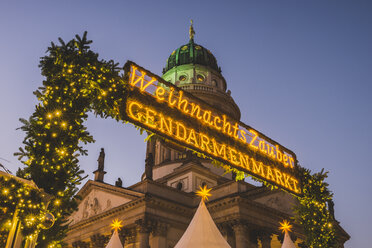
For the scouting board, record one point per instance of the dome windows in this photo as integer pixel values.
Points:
(188, 75)
(182, 78)
(200, 78)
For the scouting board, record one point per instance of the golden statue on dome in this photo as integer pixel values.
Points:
(191, 30)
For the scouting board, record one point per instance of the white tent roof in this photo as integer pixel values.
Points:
(114, 241)
(287, 242)
(202, 232)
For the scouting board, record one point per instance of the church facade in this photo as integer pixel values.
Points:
(157, 210)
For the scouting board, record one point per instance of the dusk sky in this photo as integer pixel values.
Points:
(300, 71)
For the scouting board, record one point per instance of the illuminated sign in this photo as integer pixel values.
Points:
(174, 114)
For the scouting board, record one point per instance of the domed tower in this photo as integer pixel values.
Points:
(194, 69)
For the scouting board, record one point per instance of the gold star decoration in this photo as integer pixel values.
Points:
(285, 226)
(204, 192)
(116, 225)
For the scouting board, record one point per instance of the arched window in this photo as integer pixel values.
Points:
(182, 78)
(179, 186)
(200, 78)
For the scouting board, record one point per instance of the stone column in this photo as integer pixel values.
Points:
(144, 239)
(167, 156)
(241, 235)
(129, 236)
(144, 233)
(150, 148)
(227, 233)
(253, 239)
(244, 236)
(99, 241)
(159, 235)
(265, 238)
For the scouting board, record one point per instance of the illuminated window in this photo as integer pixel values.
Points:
(214, 82)
(200, 78)
(182, 78)
(181, 155)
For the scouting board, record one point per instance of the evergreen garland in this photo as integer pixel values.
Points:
(313, 213)
(76, 82)
(15, 195)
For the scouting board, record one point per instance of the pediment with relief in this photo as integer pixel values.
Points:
(96, 202)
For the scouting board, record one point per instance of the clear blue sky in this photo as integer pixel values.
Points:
(301, 72)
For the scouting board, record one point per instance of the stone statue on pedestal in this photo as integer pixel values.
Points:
(101, 160)
(99, 173)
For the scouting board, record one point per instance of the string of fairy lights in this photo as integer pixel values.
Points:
(313, 213)
(15, 196)
(77, 82)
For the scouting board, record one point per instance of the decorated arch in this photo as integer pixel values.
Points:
(77, 82)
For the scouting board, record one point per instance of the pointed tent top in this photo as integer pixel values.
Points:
(287, 242)
(202, 231)
(114, 241)
(191, 30)
(286, 227)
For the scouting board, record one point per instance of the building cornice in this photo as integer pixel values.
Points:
(90, 185)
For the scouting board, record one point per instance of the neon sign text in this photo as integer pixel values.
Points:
(178, 130)
(182, 118)
(177, 98)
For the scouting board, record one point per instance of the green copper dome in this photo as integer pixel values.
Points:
(191, 53)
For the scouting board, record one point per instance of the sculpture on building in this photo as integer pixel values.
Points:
(99, 173)
(101, 160)
(149, 163)
(119, 183)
